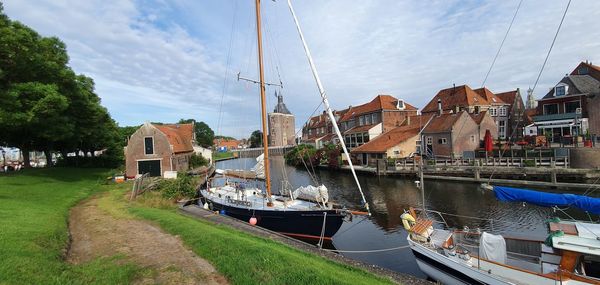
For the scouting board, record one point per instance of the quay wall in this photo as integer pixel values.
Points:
(585, 157)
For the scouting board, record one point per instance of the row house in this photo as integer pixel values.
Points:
(399, 142)
(318, 130)
(566, 110)
(516, 113)
(462, 98)
(362, 123)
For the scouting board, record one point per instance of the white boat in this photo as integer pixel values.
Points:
(570, 255)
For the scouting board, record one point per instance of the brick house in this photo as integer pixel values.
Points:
(484, 122)
(565, 110)
(318, 130)
(399, 142)
(463, 98)
(362, 123)
(593, 100)
(223, 144)
(516, 113)
(451, 134)
(156, 149)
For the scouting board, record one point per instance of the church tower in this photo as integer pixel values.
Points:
(282, 124)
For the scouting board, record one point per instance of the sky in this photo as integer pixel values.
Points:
(163, 60)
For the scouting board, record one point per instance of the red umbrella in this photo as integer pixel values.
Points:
(487, 141)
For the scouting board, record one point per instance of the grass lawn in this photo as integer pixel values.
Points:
(34, 208)
(222, 155)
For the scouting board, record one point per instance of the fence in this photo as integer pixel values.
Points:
(141, 185)
(492, 161)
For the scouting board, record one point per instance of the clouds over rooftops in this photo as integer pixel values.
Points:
(163, 60)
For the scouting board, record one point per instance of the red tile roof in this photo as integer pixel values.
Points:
(489, 96)
(508, 97)
(393, 137)
(443, 123)
(381, 102)
(478, 117)
(180, 136)
(359, 129)
(461, 96)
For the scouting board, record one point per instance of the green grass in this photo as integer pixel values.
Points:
(34, 208)
(222, 155)
(246, 259)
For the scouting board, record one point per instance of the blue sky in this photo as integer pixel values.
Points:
(161, 60)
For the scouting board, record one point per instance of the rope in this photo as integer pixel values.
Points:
(551, 46)
(367, 251)
(231, 37)
(320, 244)
(502, 44)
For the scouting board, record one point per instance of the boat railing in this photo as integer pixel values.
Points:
(493, 224)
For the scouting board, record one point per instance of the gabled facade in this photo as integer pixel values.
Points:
(593, 100)
(155, 149)
(564, 110)
(362, 123)
(450, 135)
(516, 113)
(463, 98)
(318, 131)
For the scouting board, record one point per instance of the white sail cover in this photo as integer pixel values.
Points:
(492, 247)
(312, 193)
(259, 168)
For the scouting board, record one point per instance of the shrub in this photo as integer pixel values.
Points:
(181, 187)
(197, 161)
(297, 154)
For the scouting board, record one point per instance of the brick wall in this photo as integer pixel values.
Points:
(135, 149)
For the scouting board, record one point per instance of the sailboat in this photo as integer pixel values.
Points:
(305, 212)
(570, 254)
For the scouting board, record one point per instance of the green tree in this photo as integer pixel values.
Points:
(256, 139)
(204, 134)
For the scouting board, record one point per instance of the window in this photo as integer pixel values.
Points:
(148, 145)
(571, 107)
(443, 141)
(396, 152)
(374, 118)
(493, 112)
(367, 119)
(366, 137)
(309, 132)
(502, 111)
(502, 129)
(429, 140)
(359, 139)
(347, 138)
(550, 109)
(560, 90)
(472, 138)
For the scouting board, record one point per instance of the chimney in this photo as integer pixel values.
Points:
(456, 109)
(408, 121)
(439, 106)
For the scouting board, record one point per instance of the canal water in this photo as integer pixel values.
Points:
(390, 196)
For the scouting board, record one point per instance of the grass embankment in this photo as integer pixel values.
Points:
(222, 155)
(34, 208)
(33, 235)
(241, 257)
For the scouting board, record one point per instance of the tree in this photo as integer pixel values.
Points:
(256, 139)
(204, 134)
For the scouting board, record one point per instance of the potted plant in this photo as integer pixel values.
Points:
(588, 139)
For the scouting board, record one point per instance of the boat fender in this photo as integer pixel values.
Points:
(222, 212)
(253, 221)
(205, 206)
(408, 221)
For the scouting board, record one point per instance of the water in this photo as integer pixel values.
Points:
(389, 196)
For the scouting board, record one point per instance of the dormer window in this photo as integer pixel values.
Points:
(560, 90)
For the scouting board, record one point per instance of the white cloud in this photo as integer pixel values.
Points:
(170, 56)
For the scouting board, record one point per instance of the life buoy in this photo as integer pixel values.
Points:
(408, 221)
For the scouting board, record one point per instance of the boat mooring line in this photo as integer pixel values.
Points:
(367, 251)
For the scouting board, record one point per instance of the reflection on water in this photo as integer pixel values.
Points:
(390, 196)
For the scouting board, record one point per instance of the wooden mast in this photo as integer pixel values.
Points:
(263, 104)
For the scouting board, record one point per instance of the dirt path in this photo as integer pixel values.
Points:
(96, 233)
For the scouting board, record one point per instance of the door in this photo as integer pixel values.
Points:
(149, 166)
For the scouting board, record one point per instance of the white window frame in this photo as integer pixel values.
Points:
(502, 129)
(560, 87)
(444, 140)
(361, 120)
(502, 111)
(429, 140)
(153, 151)
(493, 111)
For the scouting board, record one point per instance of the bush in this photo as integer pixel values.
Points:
(175, 189)
(303, 151)
(197, 161)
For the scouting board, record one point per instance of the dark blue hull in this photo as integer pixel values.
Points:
(298, 224)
